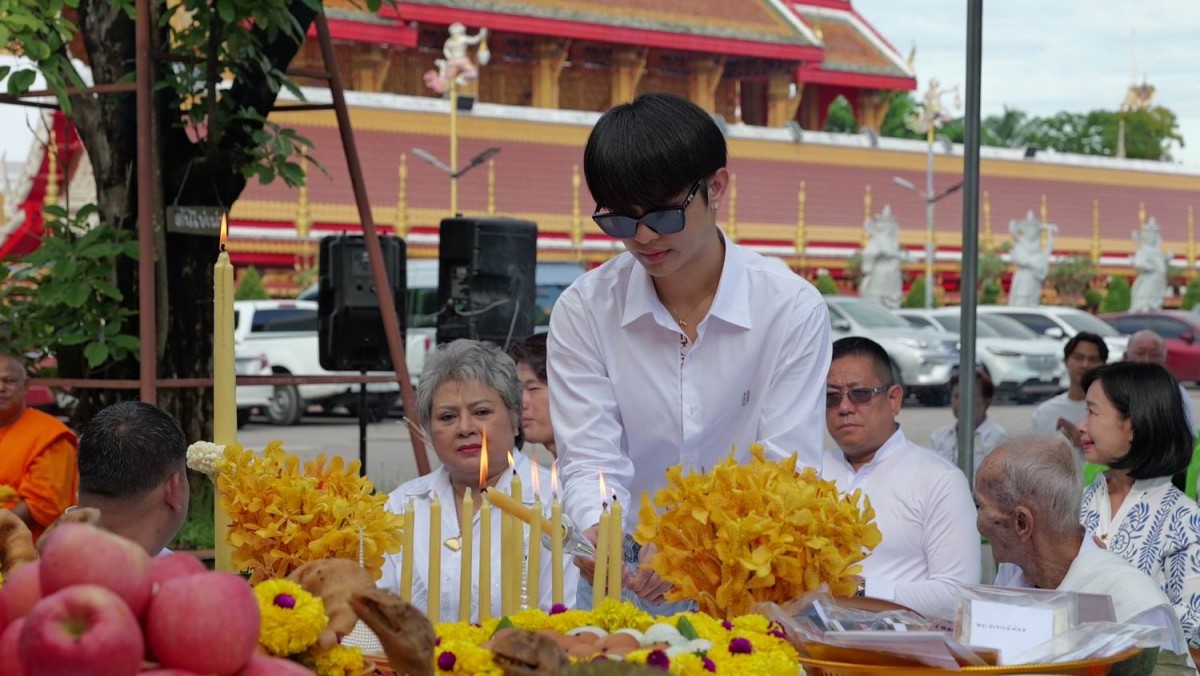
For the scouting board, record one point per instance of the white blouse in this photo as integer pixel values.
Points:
(421, 491)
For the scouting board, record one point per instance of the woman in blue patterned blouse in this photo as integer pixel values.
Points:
(1134, 426)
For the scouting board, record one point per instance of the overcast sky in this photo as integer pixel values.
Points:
(1045, 56)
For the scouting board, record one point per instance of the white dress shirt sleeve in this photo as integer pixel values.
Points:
(952, 552)
(795, 409)
(587, 419)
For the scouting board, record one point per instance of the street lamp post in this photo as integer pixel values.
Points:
(930, 198)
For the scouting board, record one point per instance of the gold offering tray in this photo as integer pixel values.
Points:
(825, 667)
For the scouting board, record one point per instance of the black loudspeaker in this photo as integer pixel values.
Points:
(486, 279)
(349, 321)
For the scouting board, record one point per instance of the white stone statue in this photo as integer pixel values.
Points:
(881, 259)
(1031, 260)
(1151, 264)
(457, 65)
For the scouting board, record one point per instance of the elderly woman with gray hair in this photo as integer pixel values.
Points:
(468, 400)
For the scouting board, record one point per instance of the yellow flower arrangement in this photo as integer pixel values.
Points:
(284, 515)
(7, 493)
(292, 619)
(337, 661)
(755, 532)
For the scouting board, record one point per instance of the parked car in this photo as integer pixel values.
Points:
(1062, 323)
(1022, 364)
(1179, 329)
(286, 331)
(249, 362)
(923, 360)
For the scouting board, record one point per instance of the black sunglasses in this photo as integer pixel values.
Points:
(666, 221)
(857, 396)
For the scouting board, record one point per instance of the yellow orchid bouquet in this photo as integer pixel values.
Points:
(755, 532)
(284, 514)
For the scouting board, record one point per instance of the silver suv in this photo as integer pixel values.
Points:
(923, 361)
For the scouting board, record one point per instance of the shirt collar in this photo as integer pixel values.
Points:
(731, 303)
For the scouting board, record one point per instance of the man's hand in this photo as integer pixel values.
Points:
(586, 564)
(1070, 431)
(645, 582)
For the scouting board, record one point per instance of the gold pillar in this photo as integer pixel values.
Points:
(303, 221)
(400, 222)
(872, 108)
(1141, 214)
(51, 198)
(801, 233)
(1191, 250)
(550, 55)
(1096, 231)
(576, 212)
(491, 208)
(705, 75)
(989, 244)
(371, 66)
(628, 66)
(781, 102)
(731, 223)
(1044, 214)
(866, 213)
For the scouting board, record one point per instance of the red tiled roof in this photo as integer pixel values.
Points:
(852, 46)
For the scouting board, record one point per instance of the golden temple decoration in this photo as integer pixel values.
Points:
(51, 198)
(576, 213)
(1096, 231)
(989, 243)
(1191, 250)
(731, 222)
(1044, 212)
(400, 221)
(866, 212)
(491, 187)
(801, 234)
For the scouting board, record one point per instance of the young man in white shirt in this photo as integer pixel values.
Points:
(1064, 412)
(687, 344)
(988, 432)
(922, 504)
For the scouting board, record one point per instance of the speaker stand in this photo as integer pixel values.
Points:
(362, 428)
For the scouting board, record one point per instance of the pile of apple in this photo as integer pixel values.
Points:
(96, 604)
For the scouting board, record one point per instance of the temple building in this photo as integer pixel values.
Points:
(767, 70)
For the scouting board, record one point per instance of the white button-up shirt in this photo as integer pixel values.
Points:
(631, 396)
(989, 435)
(421, 492)
(927, 518)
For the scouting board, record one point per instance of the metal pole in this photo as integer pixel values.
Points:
(383, 289)
(454, 146)
(970, 247)
(929, 222)
(148, 352)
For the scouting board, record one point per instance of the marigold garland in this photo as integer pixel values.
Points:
(755, 532)
(284, 515)
(292, 619)
(337, 661)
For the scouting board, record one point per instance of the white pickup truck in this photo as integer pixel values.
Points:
(286, 332)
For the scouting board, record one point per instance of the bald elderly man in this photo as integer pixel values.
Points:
(1147, 347)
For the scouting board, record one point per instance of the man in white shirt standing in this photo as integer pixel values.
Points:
(1147, 347)
(922, 503)
(1064, 412)
(988, 432)
(687, 344)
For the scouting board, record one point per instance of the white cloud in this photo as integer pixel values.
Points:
(1045, 57)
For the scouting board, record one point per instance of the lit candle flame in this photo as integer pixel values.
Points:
(554, 479)
(224, 231)
(537, 484)
(483, 460)
(603, 491)
(512, 464)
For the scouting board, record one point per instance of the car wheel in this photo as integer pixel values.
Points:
(286, 406)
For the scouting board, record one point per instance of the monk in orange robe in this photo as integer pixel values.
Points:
(37, 455)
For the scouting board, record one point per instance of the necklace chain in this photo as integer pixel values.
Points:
(682, 319)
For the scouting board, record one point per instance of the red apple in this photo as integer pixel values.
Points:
(167, 672)
(10, 657)
(262, 665)
(206, 623)
(171, 566)
(22, 589)
(84, 630)
(77, 553)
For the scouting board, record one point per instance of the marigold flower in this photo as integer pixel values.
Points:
(292, 619)
(339, 660)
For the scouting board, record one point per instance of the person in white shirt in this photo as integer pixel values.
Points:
(1147, 347)
(530, 356)
(133, 470)
(468, 398)
(1063, 413)
(988, 432)
(685, 346)
(1028, 492)
(922, 503)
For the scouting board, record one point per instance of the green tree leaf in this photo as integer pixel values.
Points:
(96, 354)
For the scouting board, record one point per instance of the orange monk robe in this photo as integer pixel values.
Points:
(38, 459)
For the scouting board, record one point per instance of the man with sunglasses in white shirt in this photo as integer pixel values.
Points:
(683, 347)
(922, 503)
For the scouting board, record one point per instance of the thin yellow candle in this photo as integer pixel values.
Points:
(464, 578)
(434, 576)
(601, 575)
(406, 564)
(509, 506)
(506, 523)
(556, 544)
(533, 579)
(224, 388)
(485, 541)
(517, 552)
(616, 550)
